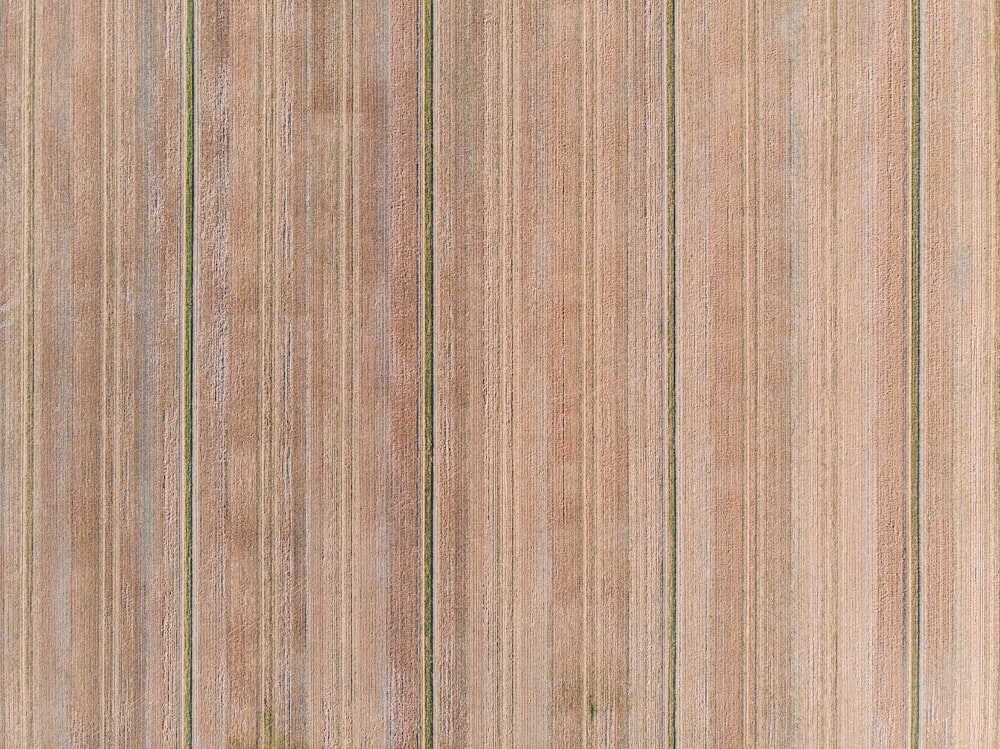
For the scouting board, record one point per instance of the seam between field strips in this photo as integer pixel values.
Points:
(913, 536)
(187, 397)
(426, 26)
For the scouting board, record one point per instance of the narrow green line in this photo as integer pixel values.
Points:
(913, 540)
(28, 380)
(670, 351)
(427, 384)
(188, 387)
